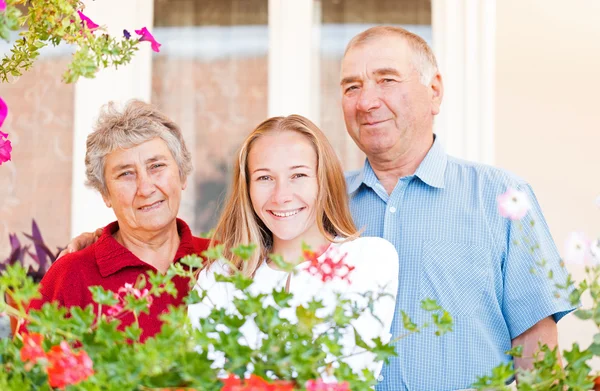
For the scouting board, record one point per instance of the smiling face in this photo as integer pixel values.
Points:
(283, 185)
(143, 187)
(386, 107)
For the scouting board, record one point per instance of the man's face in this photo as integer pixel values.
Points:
(386, 108)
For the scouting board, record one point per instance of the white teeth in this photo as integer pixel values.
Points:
(150, 206)
(286, 214)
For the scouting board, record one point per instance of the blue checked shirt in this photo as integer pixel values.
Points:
(454, 247)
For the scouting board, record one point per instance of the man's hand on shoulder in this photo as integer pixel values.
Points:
(82, 241)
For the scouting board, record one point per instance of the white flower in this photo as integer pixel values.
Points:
(576, 248)
(513, 204)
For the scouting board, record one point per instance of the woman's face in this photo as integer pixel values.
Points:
(283, 183)
(144, 186)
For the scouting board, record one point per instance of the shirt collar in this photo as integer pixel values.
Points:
(112, 257)
(431, 170)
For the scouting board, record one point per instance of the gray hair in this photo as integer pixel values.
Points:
(137, 123)
(423, 59)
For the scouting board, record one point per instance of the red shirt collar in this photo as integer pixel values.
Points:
(112, 257)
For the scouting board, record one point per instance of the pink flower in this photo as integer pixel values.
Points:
(87, 21)
(2, 5)
(5, 148)
(513, 204)
(146, 36)
(320, 385)
(3, 109)
(577, 247)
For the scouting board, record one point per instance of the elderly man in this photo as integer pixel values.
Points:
(441, 215)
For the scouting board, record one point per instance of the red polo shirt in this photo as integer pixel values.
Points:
(110, 265)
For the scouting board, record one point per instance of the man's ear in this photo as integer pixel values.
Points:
(437, 93)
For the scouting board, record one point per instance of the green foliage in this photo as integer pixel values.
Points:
(182, 356)
(52, 22)
(552, 370)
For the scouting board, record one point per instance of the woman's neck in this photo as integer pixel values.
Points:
(291, 250)
(155, 248)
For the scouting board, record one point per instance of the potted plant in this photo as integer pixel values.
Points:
(35, 257)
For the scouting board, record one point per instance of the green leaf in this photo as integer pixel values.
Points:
(430, 305)
(244, 251)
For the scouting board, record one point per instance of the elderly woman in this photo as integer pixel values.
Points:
(139, 163)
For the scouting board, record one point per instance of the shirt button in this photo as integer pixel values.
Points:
(392, 209)
(380, 378)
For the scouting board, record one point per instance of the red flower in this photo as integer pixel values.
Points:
(320, 385)
(32, 347)
(146, 36)
(331, 266)
(255, 383)
(66, 368)
(87, 21)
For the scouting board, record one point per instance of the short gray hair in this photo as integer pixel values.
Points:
(137, 123)
(423, 58)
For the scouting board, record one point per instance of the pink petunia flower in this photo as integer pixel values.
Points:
(513, 204)
(87, 21)
(5, 148)
(2, 5)
(146, 36)
(577, 247)
(3, 110)
(320, 385)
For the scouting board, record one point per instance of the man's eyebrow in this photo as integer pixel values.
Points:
(349, 79)
(386, 71)
(376, 72)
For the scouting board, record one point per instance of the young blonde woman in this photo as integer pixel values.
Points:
(288, 189)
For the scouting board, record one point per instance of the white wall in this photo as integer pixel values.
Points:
(548, 115)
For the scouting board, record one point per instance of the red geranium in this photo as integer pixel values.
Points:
(32, 347)
(66, 367)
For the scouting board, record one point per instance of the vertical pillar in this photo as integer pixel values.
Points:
(131, 81)
(292, 70)
(464, 42)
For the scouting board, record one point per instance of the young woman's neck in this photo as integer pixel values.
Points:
(291, 250)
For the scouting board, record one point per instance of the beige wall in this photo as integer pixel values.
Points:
(548, 115)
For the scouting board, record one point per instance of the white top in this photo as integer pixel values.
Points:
(376, 269)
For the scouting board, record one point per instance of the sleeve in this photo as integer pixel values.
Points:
(531, 269)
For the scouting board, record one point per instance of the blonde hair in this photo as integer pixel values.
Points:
(423, 58)
(137, 123)
(240, 225)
